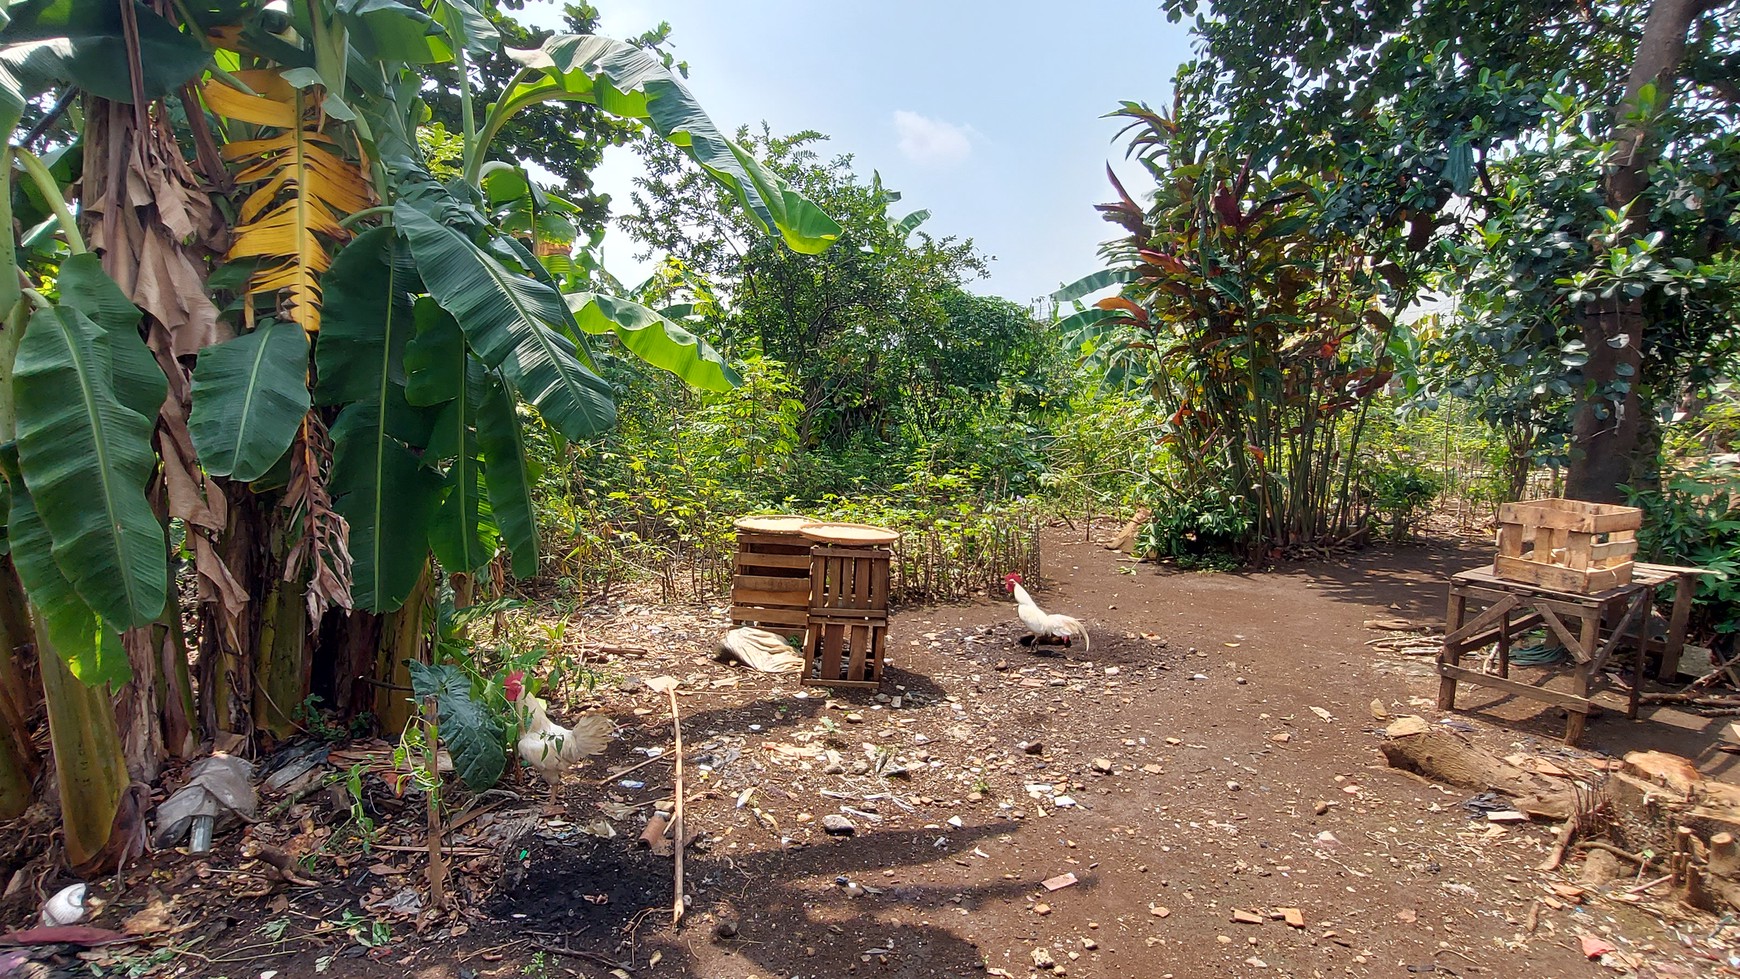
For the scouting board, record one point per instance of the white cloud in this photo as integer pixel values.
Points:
(932, 141)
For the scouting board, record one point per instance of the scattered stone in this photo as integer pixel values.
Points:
(1281, 738)
(1601, 867)
(1159, 911)
(1243, 917)
(1241, 681)
(1152, 769)
(1033, 747)
(1042, 959)
(1199, 676)
(1321, 807)
(1103, 766)
(1233, 786)
(1407, 726)
(725, 929)
(1059, 882)
(1506, 816)
(1042, 909)
(1325, 715)
(837, 825)
(1089, 944)
(1063, 802)
(957, 822)
(895, 702)
(1293, 916)
(1256, 963)
(854, 718)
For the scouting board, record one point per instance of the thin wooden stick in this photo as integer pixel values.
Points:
(437, 871)
(677, 809)
(613, 776)
(1567, 832)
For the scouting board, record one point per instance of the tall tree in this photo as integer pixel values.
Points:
(1443, 105)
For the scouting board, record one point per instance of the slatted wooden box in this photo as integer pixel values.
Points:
(1567, 545)
(770, 581)
(849, 574)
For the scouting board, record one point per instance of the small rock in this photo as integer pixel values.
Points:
(1063, 802)
(1089, 944)
(1042, 959)
(1241, 681)
(1153, 769)
(1281, 738)
(1042, 909)
(1199, 676)
(1233, 786)
(1293, 916)
(725, 929)
(1243, 917)
(1321, 807)
(1033, 747)
(854, 718)
(1002, 665)
(895, 702)
(1159, 912)
(1256, 963)
(1103, 766)
(957, 822)
(1600, 867)
(837, 825)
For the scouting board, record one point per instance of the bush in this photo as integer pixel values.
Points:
(1694, 519)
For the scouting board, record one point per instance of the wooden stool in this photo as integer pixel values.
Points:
(770, 580)
(1513, 608)
(848, 612)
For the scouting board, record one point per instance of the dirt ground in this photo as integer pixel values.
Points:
(1208, 763)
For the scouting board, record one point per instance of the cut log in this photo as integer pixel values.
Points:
(1447, 758)
(1126, 539)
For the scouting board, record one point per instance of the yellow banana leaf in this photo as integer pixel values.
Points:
(302, 188)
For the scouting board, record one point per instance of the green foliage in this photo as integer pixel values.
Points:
(1402, 492)
(1693, 519)
(473, 733)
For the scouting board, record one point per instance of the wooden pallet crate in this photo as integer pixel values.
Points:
(1567, 545)
(770, 580)
(848, 635)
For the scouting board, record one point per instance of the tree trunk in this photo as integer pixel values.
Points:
(281, 658)
(1608, 423)
(90, 771)
(227, 642)
(405, 637)
(20, 763)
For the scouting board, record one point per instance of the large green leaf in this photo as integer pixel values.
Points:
(92, 651)
(512, 322)
(379, 484)
(249, 397)
(473, 734)
(626, 81)
(387, 30)
(1088, 285)
(82, 42)
(86, 456)
(659, 341)
(386, 494)
(463, 535)
(507, 475)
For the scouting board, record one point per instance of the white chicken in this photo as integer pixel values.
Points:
(550, 748)
(1043, 625)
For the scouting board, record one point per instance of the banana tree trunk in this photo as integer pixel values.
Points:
(90, 771)
(19, 761)
(281, 683)
(227, 643)
(405, 636)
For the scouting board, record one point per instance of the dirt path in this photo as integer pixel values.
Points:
(1228, 798)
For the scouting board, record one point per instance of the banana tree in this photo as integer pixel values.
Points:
(330, 410)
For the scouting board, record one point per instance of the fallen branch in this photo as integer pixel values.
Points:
(1567, 832)
(669, 686)
(1636, 858)
(613, 776)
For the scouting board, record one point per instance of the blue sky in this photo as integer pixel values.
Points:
(988, 114)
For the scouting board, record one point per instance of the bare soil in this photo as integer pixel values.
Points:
(1228, 798)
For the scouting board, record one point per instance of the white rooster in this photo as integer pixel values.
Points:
(1043, 625)
(549, 747)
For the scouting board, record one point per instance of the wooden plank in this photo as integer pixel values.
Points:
(772, 599)
(1483, 620)
(1518, 626)
(828, 550)
(860, 642)
(1673, 569)
(879, 585)
(754, 560)
(1562, 579)
(1510, 540)
(1626, 624)
(757, 582)
(1674, 647)
(833, 648)
(1543, 694)
(1558, 626)
(783, 616)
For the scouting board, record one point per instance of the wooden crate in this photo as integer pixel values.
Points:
(770, 581)
(848, 634)
(1567, 545)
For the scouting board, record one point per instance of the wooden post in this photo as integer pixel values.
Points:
(1451, 654)
(1639, 658)
(1675, 645)
(1589, 638)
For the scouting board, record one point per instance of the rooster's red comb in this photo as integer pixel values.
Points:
(514, 685)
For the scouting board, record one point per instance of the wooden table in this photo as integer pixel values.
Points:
(1591, 627)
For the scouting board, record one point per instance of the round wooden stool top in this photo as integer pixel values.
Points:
(787, 523)
(850, 534)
